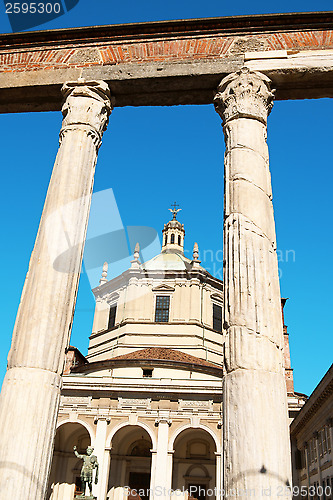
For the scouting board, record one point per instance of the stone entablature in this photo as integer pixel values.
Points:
(294, 50)
(165, 41)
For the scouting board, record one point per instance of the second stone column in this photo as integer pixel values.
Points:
(256, 437)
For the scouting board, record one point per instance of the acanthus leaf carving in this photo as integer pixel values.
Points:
(245, 94)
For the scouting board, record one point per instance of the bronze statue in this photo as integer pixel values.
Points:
(89, 464)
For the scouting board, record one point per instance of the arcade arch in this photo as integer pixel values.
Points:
(130, 463)
(65, 480)
(194, 463)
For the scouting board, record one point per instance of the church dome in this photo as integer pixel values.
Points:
(168, 260)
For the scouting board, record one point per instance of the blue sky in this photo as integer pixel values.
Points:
(153, 156)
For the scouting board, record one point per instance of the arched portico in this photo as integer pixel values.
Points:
(214, 436)
(194, 463)
(65, 478)
(80, 422)
(130, 470)
(144, 426)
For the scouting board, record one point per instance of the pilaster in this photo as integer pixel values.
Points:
(161, 469)
(307, 465)
(316, 445)
(102, 456)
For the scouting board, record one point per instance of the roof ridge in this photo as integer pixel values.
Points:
(176, 355)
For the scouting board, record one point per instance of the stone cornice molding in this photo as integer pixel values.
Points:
(235, 25)
(163, 420)
(87, 107)
(244, 94)
(317, 399)
(149, 278)
(216, 371)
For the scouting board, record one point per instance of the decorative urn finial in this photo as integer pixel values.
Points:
(135, 263)
(104, 274)
(196, 262)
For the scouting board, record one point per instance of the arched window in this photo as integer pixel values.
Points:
(172, 240)
(179, 240)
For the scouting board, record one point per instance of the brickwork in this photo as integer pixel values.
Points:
(286, 354)
(190, 48)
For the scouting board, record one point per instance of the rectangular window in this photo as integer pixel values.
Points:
(112, 316)
(162, 308)
(217, 317)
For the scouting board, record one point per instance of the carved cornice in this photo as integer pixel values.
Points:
(87, 107)
(244, 94)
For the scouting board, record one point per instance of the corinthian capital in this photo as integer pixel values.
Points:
(244, 94)
(87, 104)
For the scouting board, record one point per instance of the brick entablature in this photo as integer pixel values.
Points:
(192, 40)
(188, 48)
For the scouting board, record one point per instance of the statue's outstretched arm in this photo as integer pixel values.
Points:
(77, 454)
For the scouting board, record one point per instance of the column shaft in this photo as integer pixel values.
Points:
(99, 451)
(256, 438)
(161, 470)
(31, 389)
(218, 476)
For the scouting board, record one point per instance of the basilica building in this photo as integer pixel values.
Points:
(148, 395)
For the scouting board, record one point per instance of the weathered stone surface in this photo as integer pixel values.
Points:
(31, 387)
(255, 412)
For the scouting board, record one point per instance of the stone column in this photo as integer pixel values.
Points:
(105, 480)
(256, 437)
(99, 451)
(161, 469)
(31, 389)
(218, 476)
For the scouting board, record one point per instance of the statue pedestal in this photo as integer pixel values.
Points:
(83, 497)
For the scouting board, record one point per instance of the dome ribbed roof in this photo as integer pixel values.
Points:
(166, 261)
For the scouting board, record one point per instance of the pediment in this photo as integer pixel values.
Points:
(112, 297)
(217, 297)
(163, 288)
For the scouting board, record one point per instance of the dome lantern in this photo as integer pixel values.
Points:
(173, 233)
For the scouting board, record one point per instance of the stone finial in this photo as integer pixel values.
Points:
(196, 261)
(195, 252)
(244, 94)
(104, 274)
(136, 254)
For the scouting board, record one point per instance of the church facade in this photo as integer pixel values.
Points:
(148, 396)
